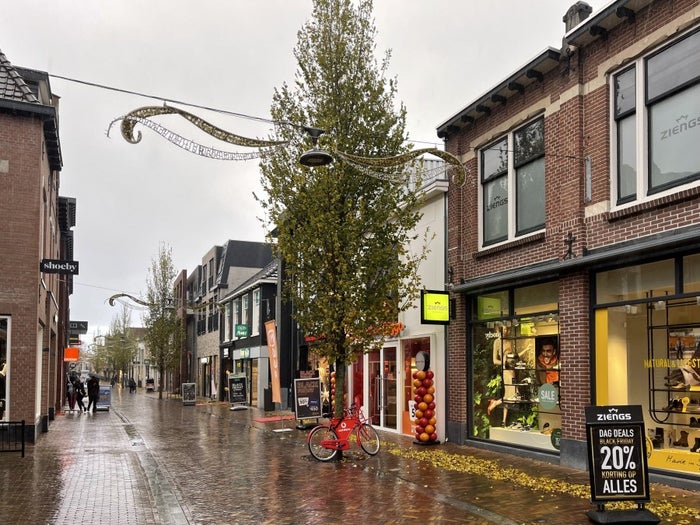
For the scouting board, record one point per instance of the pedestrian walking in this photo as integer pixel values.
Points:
(70, 393)
(93, 387)
(132, 385)
(79, 391)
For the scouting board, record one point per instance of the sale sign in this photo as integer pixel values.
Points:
(617, 453)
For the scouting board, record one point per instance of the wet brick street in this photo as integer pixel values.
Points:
(150, 461)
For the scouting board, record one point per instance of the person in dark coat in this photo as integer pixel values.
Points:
(79, 394)
(93, 386)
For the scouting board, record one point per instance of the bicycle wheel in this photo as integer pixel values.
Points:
(315, 439)
(368, 438)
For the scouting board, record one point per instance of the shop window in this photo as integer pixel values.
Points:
(492, 306)
(691, 273)
(656, 114)
(537, 298)
(513, 184)
(516, 367)
(636, 282)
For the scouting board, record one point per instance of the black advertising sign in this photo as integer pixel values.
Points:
(58, 266)
(237, 390)
(307, 398)
(617, 453)
(78, 327)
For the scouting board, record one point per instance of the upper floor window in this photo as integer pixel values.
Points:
(512, 184)
(657, 121)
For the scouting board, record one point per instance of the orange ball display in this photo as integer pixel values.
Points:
(425, 419)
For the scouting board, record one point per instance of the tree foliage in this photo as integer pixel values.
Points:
(163, 329)
(120, 346)
(342, 234)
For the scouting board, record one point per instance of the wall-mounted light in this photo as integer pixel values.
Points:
(660, 305)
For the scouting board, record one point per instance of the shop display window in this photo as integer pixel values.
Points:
(516, 363)
(647, 353)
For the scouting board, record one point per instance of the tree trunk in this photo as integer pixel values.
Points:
(339, 395)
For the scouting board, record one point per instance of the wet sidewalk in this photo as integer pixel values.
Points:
(151, 461)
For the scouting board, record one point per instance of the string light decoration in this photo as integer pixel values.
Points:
(371, 166)
(144, 304)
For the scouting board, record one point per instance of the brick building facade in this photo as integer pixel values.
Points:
(578, 227)
(35, 225)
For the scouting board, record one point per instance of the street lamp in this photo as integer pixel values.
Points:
(315, 157)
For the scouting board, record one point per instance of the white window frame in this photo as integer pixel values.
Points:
(641, 135)
(512, 189)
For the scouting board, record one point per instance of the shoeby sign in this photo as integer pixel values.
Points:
(617, 461)
(59, 266)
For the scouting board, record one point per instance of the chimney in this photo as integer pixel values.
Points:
(576, 14)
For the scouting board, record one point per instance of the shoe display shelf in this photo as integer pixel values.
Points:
(674, 387)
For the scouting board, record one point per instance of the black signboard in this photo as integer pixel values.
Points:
(307, 398)
(189, 393)
(617, 453)
(77, 327)
(237, 390)
(59, 266)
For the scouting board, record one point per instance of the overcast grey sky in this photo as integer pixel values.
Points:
(229, 55)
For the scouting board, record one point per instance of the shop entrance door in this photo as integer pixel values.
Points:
(382, 371)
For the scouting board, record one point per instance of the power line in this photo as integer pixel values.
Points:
(188, 104)
(164, 99)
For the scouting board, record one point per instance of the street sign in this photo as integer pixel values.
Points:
(241, 330)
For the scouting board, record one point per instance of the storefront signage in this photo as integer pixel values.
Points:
(58, 266)
(77, 327)
(307, 398)
(241, 330)
(616, 453)
(237, 389)
(434, 307)
(71, 354)
(271, 333)
(548, 395)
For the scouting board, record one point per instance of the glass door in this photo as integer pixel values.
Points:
(382, 387)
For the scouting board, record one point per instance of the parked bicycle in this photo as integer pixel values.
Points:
(325, 441)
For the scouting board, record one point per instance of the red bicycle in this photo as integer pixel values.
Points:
(325, 441)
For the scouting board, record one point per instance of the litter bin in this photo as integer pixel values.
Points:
(269, 405)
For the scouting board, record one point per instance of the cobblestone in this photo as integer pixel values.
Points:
(150, 461)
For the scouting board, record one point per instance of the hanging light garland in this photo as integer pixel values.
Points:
(371, 166)
(143, 304)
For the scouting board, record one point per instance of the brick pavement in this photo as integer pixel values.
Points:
(150, 461)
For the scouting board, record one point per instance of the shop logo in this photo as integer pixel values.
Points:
(683, 124)
(614, 415)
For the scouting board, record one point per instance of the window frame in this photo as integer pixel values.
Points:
(641, 111)
(510, 176)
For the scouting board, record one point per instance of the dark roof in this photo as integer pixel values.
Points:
(17, 97)
(12, 85)
(242, 254)
(266, 275)
(598, 25)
